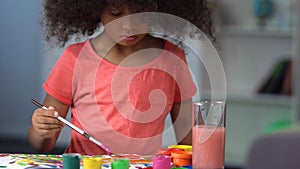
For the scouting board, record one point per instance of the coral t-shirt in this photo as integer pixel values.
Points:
(122, 107)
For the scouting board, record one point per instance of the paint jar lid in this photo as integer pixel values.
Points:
(182, 154)
(168, 151)
(184, 147)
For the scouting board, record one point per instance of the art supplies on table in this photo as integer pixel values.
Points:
(38, 161)
(74, 160)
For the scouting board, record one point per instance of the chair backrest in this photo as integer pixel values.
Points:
(276, 151)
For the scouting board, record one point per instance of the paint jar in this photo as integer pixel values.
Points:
(182, 147)
(161, 162)
(71, 161)
(120, 163)
(182, 158)
(92, 163)
(168, 151)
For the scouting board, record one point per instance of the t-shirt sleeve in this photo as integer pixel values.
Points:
(59, 82)
(185, 88)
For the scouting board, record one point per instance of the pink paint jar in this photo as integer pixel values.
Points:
(161, 162)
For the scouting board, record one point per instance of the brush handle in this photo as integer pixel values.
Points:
(84, 134)
(109, 152)
(69, 124)
(63, 120)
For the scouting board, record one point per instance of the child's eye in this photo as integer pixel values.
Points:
(115, 12)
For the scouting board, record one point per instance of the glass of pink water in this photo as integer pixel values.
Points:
(209, 135)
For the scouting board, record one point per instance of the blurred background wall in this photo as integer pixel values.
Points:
(20, 65)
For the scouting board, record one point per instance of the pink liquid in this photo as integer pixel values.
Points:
(208, 147)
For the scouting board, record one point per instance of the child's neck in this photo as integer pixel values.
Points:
(118, 54)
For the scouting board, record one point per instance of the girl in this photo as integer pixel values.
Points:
(122, 83)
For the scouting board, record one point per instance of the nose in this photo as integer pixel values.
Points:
(129, 23)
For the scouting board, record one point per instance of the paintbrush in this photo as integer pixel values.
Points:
(72, 126)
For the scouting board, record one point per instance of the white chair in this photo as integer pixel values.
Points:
(276, 151)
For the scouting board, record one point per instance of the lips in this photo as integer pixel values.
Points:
(129, 38)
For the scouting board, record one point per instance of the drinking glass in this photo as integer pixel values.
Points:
(208, 134)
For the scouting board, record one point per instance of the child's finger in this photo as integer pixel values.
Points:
(49, 127)
(48, 113)
(51, 108)
(48, 120)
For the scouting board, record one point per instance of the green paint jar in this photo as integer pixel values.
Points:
(71, 161)
(120, 163)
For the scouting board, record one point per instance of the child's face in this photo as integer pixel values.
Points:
(126, 30)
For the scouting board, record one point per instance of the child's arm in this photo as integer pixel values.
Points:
(181, 114)
(45, 128)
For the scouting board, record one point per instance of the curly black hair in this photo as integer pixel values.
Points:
(64, 18)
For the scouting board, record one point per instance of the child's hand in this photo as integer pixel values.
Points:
(45, 122)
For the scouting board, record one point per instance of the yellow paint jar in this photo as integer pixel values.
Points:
(92, 163)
